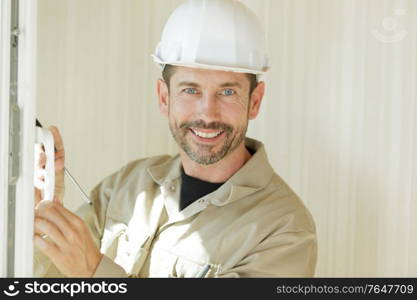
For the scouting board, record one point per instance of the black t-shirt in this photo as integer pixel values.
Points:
(193, 188)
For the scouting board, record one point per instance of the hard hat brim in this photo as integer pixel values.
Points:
(208, 66)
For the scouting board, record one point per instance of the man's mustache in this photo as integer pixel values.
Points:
(203, 125)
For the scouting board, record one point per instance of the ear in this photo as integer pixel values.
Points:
(163, 96)
(256, 100)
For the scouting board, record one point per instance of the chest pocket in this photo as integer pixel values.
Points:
(130, 255)
(188, 268)
(126, 249)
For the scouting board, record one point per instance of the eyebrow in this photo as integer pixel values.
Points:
(188, 83)
(194, 84)
(231, 84)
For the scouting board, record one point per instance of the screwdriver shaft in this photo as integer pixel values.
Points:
(78, 186)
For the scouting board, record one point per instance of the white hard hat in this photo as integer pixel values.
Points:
(213, 34)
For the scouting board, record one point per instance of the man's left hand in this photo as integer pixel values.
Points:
(65, 239)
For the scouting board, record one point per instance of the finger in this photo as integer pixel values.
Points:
(36, 231)
(44, 226)
(48, 210)
(38, 197)
(59, 144)
(77, 223)
(46, 246)
(42, 160)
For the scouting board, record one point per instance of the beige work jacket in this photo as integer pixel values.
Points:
(254, 225)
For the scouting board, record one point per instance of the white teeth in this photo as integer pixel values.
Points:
(206, 134)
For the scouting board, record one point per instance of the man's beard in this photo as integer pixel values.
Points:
(205, 154)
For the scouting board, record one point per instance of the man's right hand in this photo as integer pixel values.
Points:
(58, 233)
(59, 169)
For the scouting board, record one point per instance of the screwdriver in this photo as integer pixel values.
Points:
(70, 176)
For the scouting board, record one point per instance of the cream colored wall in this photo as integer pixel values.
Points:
(338, 120)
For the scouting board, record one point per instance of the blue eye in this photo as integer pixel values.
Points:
(228, 92)
(191, 91)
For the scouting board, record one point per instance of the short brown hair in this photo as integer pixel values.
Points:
(168, 71)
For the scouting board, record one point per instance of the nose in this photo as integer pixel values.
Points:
(209, 107)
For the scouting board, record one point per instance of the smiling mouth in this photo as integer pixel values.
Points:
(206, 135)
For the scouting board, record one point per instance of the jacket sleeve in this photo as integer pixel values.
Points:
(288, 254)
(108, 268)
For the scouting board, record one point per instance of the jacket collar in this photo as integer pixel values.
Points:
(255, 174)
(166, 171)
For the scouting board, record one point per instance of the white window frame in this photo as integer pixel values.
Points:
(4, 128)
(24, 212)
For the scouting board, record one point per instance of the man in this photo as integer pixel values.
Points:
(215, 210)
